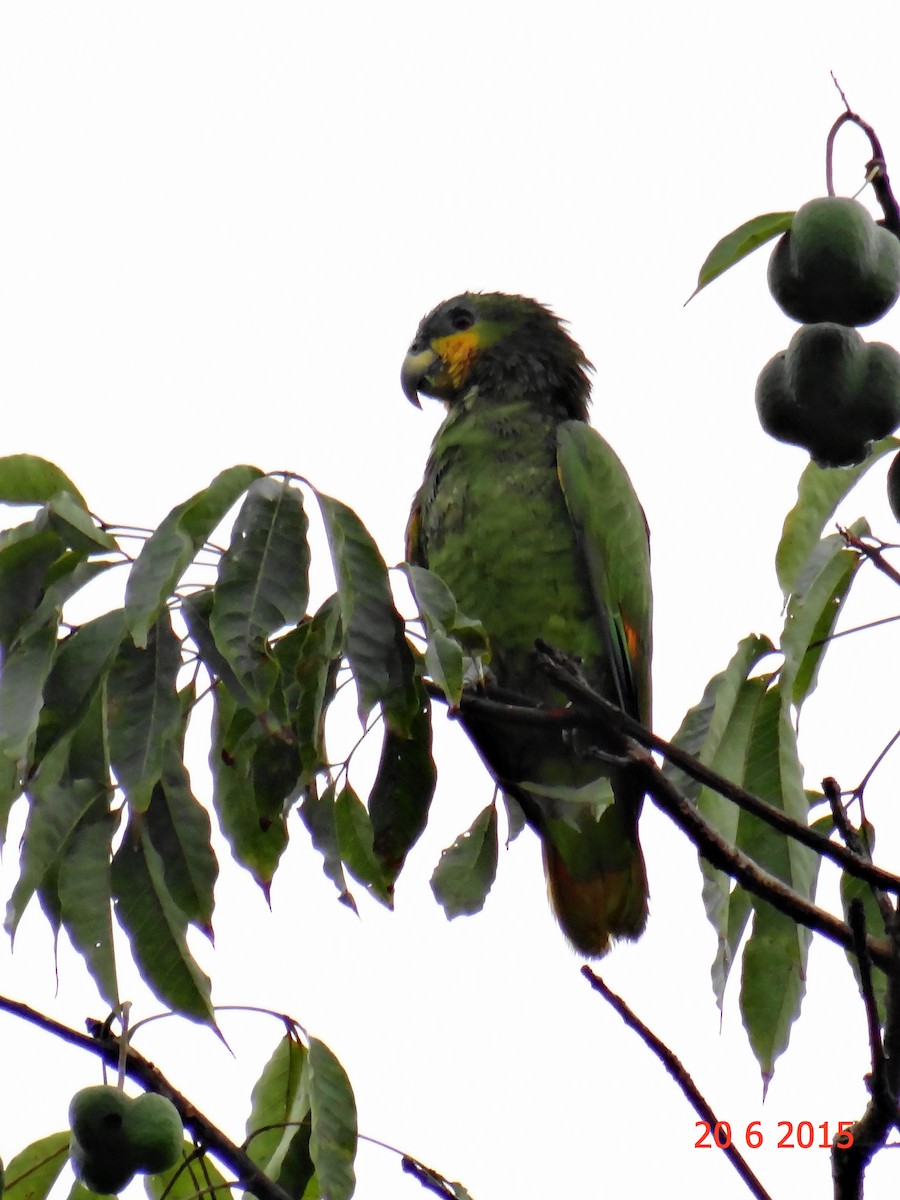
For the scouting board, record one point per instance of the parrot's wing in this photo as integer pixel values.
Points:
(612, 534)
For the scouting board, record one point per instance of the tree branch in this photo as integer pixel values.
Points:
(871, 1130)
(526, 712)
(675, 1068)
(142, 1071)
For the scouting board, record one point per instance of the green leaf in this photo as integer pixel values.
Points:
(168, 552)
(309, 658)
(83, 887)
(813, 610)
(82, 662)
(179, 828)
(263, 582)
(467, 869)
(33, 1171)
(332, 1141)
(727, 906)
(76, 526)
(200, 1179)
(739, 243)
(27, 554)
(706, 724)
(317, 812)
(143, 711)
(773, 980)
(196, 610)
(58, 805)
(382, 662)
(22, 680)
(280, 1111)
(451, 634)
(257, 844)
(27, 479)
(355, 840)
(819, 492)
(157, 928)
(67, 575)
(401, 792)
(10, 791)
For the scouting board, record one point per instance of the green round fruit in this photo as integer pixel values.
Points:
(156, 1132)
(97, 1117)
(893, 486)
(830, 392)
(835, 264)
(115, 1136)
(99, 1173)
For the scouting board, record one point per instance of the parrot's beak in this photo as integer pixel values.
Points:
(415, 367)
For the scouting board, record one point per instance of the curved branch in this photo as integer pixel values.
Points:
(675, 1068)
(142, 1071)
(617, 721)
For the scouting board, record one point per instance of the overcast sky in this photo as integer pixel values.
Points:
(219, 227)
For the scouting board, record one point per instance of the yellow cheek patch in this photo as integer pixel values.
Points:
(456, 351)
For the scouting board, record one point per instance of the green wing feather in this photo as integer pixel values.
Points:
(612, 534)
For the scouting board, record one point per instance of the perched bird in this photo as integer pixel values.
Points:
(529, 517)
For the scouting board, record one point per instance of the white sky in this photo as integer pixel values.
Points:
(219, 227)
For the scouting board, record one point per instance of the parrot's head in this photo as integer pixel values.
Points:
(495, 342)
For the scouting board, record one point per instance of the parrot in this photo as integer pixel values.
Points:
(529, 517)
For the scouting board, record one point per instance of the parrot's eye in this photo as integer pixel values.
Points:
(461, 319)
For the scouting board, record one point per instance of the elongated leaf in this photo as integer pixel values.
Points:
(355, 841)
(157, 928)
(33, 1171)
(262, 583)
(402, 791)
(773, 980)
(309, 658)
(83, 887)
(10, 791)
(82, 663)
(66, 576)
(27, 479)
(317, 812)
(58, 805)
(332, 1141)
(76, 527)
(439, 609)
(22, 680)
(467, 869)
(383, 667)
(179, 828)
(820, 491)
(257, 845)
(168, 552)
(727, 906)
(143, 711)
(739, 243)
(813, 611)
(705, 725)
(196, 610)
(27, 554)
(278, 1128)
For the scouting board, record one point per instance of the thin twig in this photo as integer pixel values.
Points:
(872, 553)
(675, 1068)
(857, 918)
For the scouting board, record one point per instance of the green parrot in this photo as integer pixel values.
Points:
(530, 518)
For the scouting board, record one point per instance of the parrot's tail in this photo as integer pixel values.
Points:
(608, 903)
